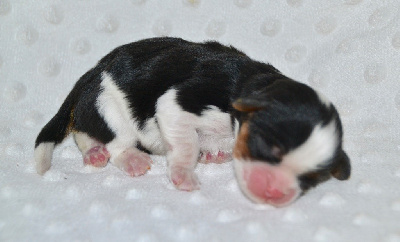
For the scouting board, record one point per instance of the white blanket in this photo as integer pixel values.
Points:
(347, 49)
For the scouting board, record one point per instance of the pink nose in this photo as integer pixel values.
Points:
(273, 193)
(270, 185)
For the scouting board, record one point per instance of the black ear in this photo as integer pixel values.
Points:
(249, 105)
(255, 94)
(342, 168)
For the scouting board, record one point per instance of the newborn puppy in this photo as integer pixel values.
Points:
(200, 102)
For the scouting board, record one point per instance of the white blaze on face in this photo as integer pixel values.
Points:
(315, 151)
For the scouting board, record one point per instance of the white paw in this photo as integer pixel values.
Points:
(134, 162)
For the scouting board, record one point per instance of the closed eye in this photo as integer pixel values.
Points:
(259, 149)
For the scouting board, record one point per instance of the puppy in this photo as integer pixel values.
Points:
(200, 102)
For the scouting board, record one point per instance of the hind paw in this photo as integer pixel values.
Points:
(97, 156)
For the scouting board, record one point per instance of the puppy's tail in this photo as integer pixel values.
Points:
(59, 127)
(52, 134)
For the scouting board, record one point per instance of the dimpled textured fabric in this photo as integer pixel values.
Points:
(347, 49)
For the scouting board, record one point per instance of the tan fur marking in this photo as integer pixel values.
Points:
(242, 107)
(241, 149)
(70, 127)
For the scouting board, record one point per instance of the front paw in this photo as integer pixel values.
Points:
(133, 162)
(184, 179)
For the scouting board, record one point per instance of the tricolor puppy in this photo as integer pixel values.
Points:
(200, 102)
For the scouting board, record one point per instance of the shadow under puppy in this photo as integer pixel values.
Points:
(200, 102)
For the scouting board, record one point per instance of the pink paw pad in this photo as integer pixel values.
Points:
(184, 179)
(97, 156)
(135, 163)
(220, 157)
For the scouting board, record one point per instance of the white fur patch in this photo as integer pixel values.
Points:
(318, 148)
(43, 155)
(114, 108)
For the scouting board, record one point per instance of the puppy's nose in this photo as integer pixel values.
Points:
(272, 193)
(270, 185)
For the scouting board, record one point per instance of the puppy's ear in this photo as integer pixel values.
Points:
(342, 168)
(249, 105)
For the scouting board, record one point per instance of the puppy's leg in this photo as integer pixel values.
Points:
(182, 158)
(94, 153)
(179, 132)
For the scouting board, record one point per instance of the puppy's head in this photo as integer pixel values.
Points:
(289, 140)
